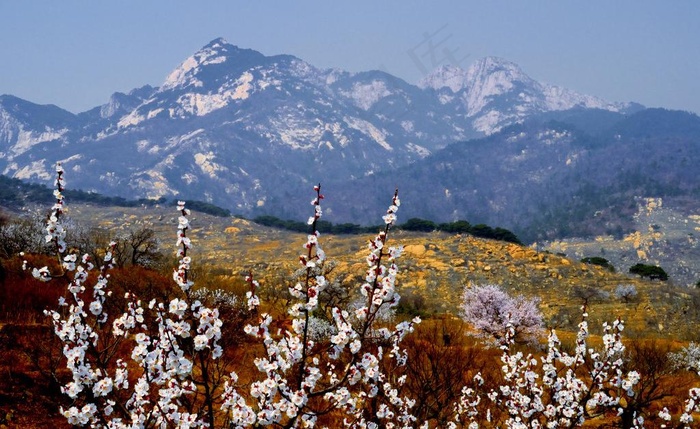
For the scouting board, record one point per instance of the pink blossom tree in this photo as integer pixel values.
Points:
(493, 313)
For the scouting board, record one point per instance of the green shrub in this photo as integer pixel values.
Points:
(601, 262)
(417, 224)
(652, 272)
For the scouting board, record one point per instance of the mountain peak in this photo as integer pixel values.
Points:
(494, 75)
(216, 52)
(495, 64)
(216, 43)
(457, 79)
(221, 46)
(446, 76)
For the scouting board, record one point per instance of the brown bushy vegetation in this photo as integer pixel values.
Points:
(442, 359)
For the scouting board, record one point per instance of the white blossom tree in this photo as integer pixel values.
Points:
(160, 364)
(557, 390)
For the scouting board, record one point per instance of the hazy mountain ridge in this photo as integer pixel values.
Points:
(546, 178)
(495, 92)
(251, 132)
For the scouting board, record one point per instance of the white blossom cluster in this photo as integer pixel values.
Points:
(167, 342)
(183, 244)
(692, 404)
(55, 233)
(159, 364)
(217, 297)
(301, 378)
(559, 390)
(172, 345)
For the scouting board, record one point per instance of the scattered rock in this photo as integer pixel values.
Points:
(415, 249)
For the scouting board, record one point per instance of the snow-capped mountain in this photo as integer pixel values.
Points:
(494, 92)
(24, 126)
(245, 131)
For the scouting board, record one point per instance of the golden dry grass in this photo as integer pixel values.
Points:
(435, 268)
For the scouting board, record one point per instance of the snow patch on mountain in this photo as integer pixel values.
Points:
(242, 86)
(179, 141)
(304, 70)
(185, 74)
(338, 132)
(445, 98)
(215, 60)
(8, 124)
(36, 169)
(549, 137)
(182, 76)
(369, 130)
(142, 145)
(447, 76)
(558, 98)
(333, 75)
(488, 123)
(152, 184)
(365, 94)
(496, 92)
(266, 80)
(202, 104)
(133, 118)
(153, 113)
(70, 159)
(26, 139)
(19, 139)
(297, 133)
(408, 126)
(110, 109)
(488, 78)
(206, 163)
(417, 149)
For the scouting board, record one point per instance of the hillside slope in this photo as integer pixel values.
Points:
(434, 269)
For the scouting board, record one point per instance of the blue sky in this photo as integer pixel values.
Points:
(76, 53)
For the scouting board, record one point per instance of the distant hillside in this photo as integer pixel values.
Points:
(554, 177)
(15, 194)
(662, 237)
(433, 270)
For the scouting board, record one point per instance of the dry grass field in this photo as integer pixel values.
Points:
(434, 269)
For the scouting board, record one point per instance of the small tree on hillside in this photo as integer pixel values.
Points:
(652, 272)
(600, 261)
(457, 227)
(22, 235)
(491, 310)
(417, 224)
(626, 293)
(589, 294)
(138, 247)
